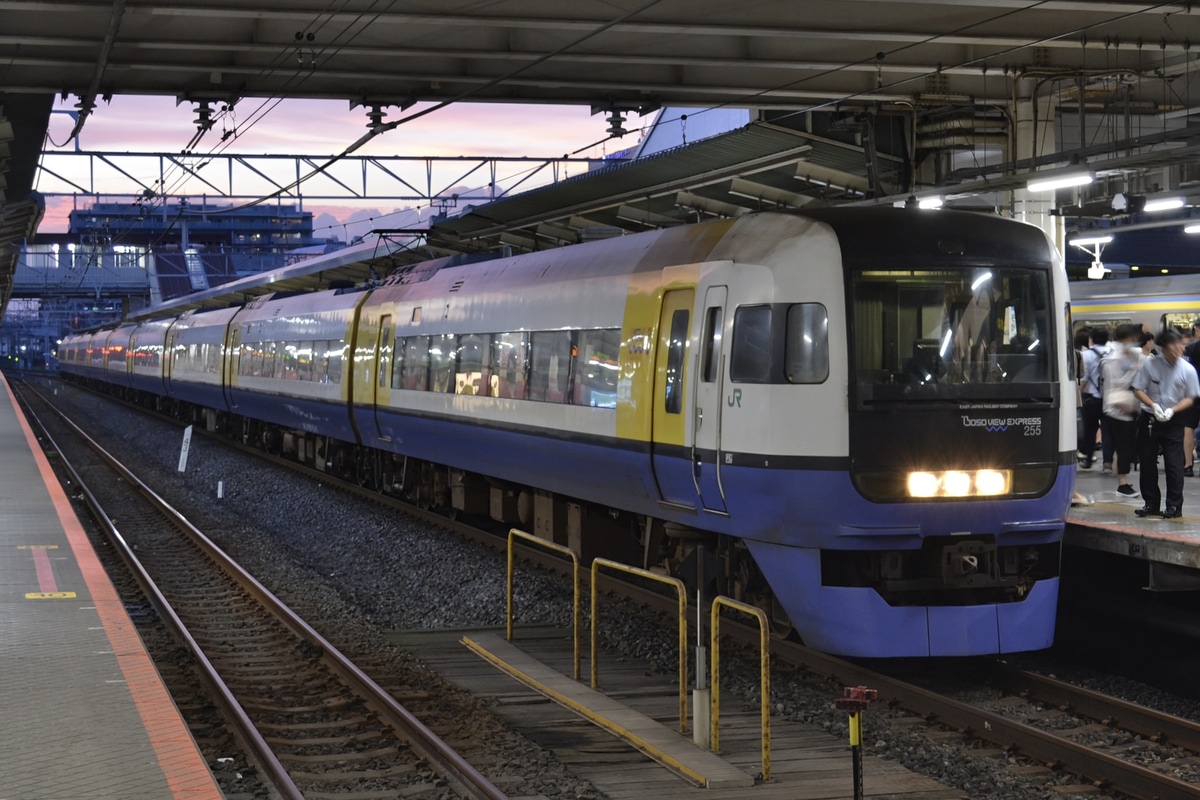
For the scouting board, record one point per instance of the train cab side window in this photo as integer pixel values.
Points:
(442, 354)
(750, 356)
(510, 360)
(474, 373)
(676, 351)
(550, 366)
(713, 320)
(806, 353)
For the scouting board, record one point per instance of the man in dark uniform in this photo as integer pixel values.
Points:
(1165, 387)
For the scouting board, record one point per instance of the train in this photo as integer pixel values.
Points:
(861, 420)
(1169, 302)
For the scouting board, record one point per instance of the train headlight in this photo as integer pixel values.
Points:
(960, 483)
(991, 482)
(923, 484)
(956, 484)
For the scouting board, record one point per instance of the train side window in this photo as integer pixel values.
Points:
(750, 355)
(713, 320)
(510, 357)
(398, 347)
(597, 368)
(676, 350)
(279, 360)
(413, 367)
(473, 376)
(1069, 338)
(333, 360)
(806, 352)
(265, 362)
(550, 369)
(213, 358)
(304, 361)
(442, 352)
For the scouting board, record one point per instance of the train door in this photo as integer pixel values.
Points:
(169, 358)
(708, 386)
(670, 432)
(230, 365)
(384, 349)
(131, 356)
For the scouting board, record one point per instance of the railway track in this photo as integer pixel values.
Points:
(316, 724)
(1048, 723)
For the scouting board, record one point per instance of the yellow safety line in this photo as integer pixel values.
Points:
(606, 724)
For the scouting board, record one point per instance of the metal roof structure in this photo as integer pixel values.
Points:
(854, 101)
(351, 266)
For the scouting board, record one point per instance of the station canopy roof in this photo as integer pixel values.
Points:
(849, 99)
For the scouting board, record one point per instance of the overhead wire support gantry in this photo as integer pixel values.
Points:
(421, 180)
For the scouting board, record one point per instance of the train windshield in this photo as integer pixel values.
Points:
(966, 333)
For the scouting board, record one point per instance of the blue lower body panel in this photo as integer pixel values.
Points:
(615, 476)
(313, 416)
(857, 621)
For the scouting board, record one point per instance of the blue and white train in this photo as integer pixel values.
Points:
(863, 416)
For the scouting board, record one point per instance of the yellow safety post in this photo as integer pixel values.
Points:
(513, 533)
(681, 593)
(855, 700)
(764, 667)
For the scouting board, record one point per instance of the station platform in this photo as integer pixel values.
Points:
(625, 738)
(1171, 547)
(86, 715)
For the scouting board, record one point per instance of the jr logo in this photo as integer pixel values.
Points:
(735, 399)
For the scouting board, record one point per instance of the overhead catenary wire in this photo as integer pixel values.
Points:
(389, 126)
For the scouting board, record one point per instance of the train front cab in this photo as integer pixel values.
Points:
(942, 535)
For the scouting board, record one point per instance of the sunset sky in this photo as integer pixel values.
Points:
(324, 128)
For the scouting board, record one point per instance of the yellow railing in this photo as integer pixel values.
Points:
(575, 611)
(764, 666)
(680, 591)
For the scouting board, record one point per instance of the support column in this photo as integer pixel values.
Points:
(1031, 140)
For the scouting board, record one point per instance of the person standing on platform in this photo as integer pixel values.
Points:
(1147, 340)
(1165, 386)
(1121, 406)
(1093, 401)
(1192, 354)
(1082, 338)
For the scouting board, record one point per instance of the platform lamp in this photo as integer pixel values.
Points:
(1093, 245)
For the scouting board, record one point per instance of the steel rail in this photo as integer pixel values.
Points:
(460, 775)
(1084, 762)
(1154, 725)
(252, 739)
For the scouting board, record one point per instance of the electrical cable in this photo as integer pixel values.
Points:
(389, 126)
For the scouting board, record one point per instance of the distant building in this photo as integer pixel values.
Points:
(120, 257)
(250, 239)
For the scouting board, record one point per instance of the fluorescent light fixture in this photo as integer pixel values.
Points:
(1163, 204)
(1091, 241)
(929, 202)
(1060, 182)
(1192, 229)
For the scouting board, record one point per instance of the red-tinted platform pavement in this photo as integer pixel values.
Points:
(84, 713)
